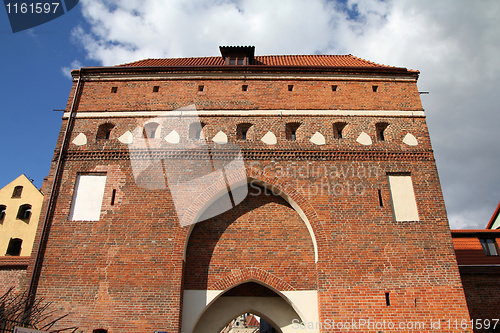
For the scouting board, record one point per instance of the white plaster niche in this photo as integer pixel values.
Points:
(87, 198)
(410, 140)
(220, 138)
(404, 204)
(269, 138)
(173, 137)
(364, 139)
(318, 139)
(126, 138)
(80, 140)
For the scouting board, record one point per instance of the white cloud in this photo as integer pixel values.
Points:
(66, 71)
(454, 43)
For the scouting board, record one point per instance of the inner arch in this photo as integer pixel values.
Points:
(265, 185)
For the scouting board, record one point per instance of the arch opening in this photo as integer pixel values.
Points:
(248, 322)
(251, 297)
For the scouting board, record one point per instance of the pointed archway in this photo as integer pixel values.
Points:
(250, 296)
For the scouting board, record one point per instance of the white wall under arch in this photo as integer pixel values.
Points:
(206, 311)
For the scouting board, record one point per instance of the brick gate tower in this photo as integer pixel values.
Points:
(303, 189)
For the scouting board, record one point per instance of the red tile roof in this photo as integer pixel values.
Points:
(9, 261)
(252, 321)
(468, 248)
(272, 60)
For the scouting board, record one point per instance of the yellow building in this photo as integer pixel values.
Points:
(20, 206)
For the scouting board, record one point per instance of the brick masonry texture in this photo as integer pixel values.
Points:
(261, 94)
(12, 277)
(481, 290)
(127, 271)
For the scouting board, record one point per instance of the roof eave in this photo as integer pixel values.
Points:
(479, 233)
(252, 68)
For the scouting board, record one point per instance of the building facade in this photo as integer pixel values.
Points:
(478, 256)
(303, 189)
(20, 206)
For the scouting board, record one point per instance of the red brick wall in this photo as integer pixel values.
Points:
(12, 277)
(481, 291)
(261, 94)
(126, 272)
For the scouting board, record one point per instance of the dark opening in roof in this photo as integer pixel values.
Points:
(238, 55)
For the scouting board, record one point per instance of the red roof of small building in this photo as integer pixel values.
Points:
(10, 261)
(272, 60)
(468, 248)
(252, 321)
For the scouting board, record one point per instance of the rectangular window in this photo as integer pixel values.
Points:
(490, 246)
(17, 192)
(3, 209)
(87, 199)
(404, 204)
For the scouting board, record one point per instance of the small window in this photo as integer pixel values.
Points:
(156, 88)
(240, 61)
(196, 130)
(201, 87)
(242, 131)
(374, 88)
(114, 90)
(338, 130)
(290, 87)
(150, 130)
(334, 87)
(244, 87)
(24, 212)
(380, 129)
(18, 190)
(113, 197)
(3, 209)
(104, 131)
(291, 131)
(14, 248)
(490, 246)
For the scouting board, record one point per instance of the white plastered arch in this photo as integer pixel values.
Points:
(208, 311)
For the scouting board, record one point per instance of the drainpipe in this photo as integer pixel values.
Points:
(35, 274)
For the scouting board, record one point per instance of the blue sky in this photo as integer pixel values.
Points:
(454, 43)
(32, 85)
